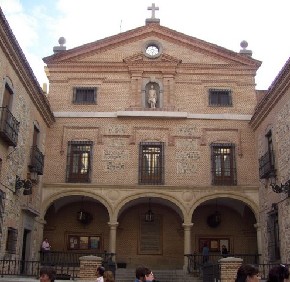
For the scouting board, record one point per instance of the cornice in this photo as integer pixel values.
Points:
(21, 66)
(275, 92)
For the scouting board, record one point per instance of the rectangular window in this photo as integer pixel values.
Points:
(2, 197)
(79, 158)
(11, 240)
(220, 97)
(151, 163)
(273, 236)
(223, 164)
(267, 161)
(85, 95)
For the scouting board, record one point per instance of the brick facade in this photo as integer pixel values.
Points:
(183, 122)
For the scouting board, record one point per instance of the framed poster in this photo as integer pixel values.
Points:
(84, 242)
(226, 243)
(73, 242)
(214, 244)
(95, 242)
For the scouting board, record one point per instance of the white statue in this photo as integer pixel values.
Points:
(152, 97)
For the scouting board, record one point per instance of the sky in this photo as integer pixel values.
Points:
(264, 24)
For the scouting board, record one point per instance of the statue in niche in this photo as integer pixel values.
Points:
(152, 97)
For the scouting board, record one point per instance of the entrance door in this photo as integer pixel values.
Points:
(25, 249)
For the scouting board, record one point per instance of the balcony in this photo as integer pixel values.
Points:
(266, 165)
(37, 161)
(9, 127)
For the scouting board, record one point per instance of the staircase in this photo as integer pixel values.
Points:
(128, 275)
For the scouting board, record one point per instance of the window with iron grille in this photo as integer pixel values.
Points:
(11, 240)
(273, 236)
(151, 163)
(79, 157)
(220, 97)
(85, 95)
(2, 196)
(223, 164)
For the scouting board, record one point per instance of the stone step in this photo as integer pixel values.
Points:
(128, 275)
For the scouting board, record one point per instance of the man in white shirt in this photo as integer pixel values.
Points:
(45, 245)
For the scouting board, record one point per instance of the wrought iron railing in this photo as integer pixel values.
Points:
(211, 271)
(66, 265)
(9, 127)
(195, 261)
(36, 161)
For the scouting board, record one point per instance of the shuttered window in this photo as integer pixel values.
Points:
(11, 240)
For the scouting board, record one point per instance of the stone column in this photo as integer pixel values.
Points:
(259, 242)
(88, 267)
(113, 233)
(187, 242)
(229, 267)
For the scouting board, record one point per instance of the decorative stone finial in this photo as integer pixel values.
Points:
(244, 51)
(61, 46)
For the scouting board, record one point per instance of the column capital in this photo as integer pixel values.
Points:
(113, 223)
(257, 225)
(187, 225)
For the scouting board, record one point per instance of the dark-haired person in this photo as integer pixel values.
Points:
(100, 273)
(247, 273)
(140, 274)
(47, 274)
(279, 273)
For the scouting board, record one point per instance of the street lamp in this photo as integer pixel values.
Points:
(283, 188)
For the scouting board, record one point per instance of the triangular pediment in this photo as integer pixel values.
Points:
(127, 47)
(140, 57)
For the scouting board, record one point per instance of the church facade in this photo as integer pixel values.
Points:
(151, 154)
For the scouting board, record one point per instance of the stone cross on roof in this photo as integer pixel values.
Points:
(153, 8)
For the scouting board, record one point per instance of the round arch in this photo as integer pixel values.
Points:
(252, 205)
(141, 197)
(48, 201)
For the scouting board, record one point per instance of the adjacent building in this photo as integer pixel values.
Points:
(25, 115)
(271, 122)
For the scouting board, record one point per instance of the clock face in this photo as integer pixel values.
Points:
(152, 50)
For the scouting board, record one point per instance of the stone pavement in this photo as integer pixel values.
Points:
(33, 279)
(22, 279)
